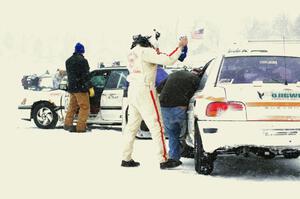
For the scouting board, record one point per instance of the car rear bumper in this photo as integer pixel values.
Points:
(276, 135)
(25, 112)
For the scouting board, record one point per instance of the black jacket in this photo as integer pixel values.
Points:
(78, 74)
(178, 89)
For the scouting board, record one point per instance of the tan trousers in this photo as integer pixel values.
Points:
(82, 101)
(144, 105)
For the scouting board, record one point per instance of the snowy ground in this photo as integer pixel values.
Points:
(56, 164)
(38, 163)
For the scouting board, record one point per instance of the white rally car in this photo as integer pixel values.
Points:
(248, 102)
(48, 107)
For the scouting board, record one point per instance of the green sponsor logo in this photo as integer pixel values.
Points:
(286, 95)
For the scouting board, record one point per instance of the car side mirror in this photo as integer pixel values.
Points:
(63, 86)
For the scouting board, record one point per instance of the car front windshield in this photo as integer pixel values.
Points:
(267, 69)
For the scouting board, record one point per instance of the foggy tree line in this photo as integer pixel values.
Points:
(54, 48)
(280, 26)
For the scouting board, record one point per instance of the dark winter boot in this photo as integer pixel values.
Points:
(67, 127)
(88, 128)
(170, 163)
(130, 163)
(73, 129)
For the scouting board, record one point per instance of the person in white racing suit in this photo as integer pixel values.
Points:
(143, 100)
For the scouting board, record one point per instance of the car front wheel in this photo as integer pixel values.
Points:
(44, 116)
(204, 162)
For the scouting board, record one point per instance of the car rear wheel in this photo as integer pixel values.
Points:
(186, 150)
(44, 116)
(204, 162)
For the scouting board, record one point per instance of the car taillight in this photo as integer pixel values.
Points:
(215, 109)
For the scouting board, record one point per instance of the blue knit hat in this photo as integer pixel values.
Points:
(79, 48)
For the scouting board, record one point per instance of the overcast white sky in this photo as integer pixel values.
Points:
(42, 34)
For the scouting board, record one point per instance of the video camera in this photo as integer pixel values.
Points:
(157, 34)
(145, 41)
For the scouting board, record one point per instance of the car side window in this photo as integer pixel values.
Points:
(98, 80)
(117, 80)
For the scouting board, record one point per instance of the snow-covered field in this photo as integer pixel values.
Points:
(39, 163)
(55, 164)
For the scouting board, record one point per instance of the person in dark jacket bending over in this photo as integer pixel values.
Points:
(174, 98)
(78, 86)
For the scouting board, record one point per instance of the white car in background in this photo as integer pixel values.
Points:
(48, 107)
(248, 102)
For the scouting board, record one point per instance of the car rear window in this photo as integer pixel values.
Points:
(268, 69)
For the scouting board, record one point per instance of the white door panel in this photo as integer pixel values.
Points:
(111, 104)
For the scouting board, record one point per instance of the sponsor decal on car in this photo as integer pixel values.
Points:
(279, 95)
(260, 95)
(210, 98)
(285, 95)
(280, 132)
(274, 104)
(111, 96)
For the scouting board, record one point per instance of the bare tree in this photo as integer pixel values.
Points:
(255, 29)
(296, 27)
(282, 26)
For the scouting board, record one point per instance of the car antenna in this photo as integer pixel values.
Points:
(284, 60)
